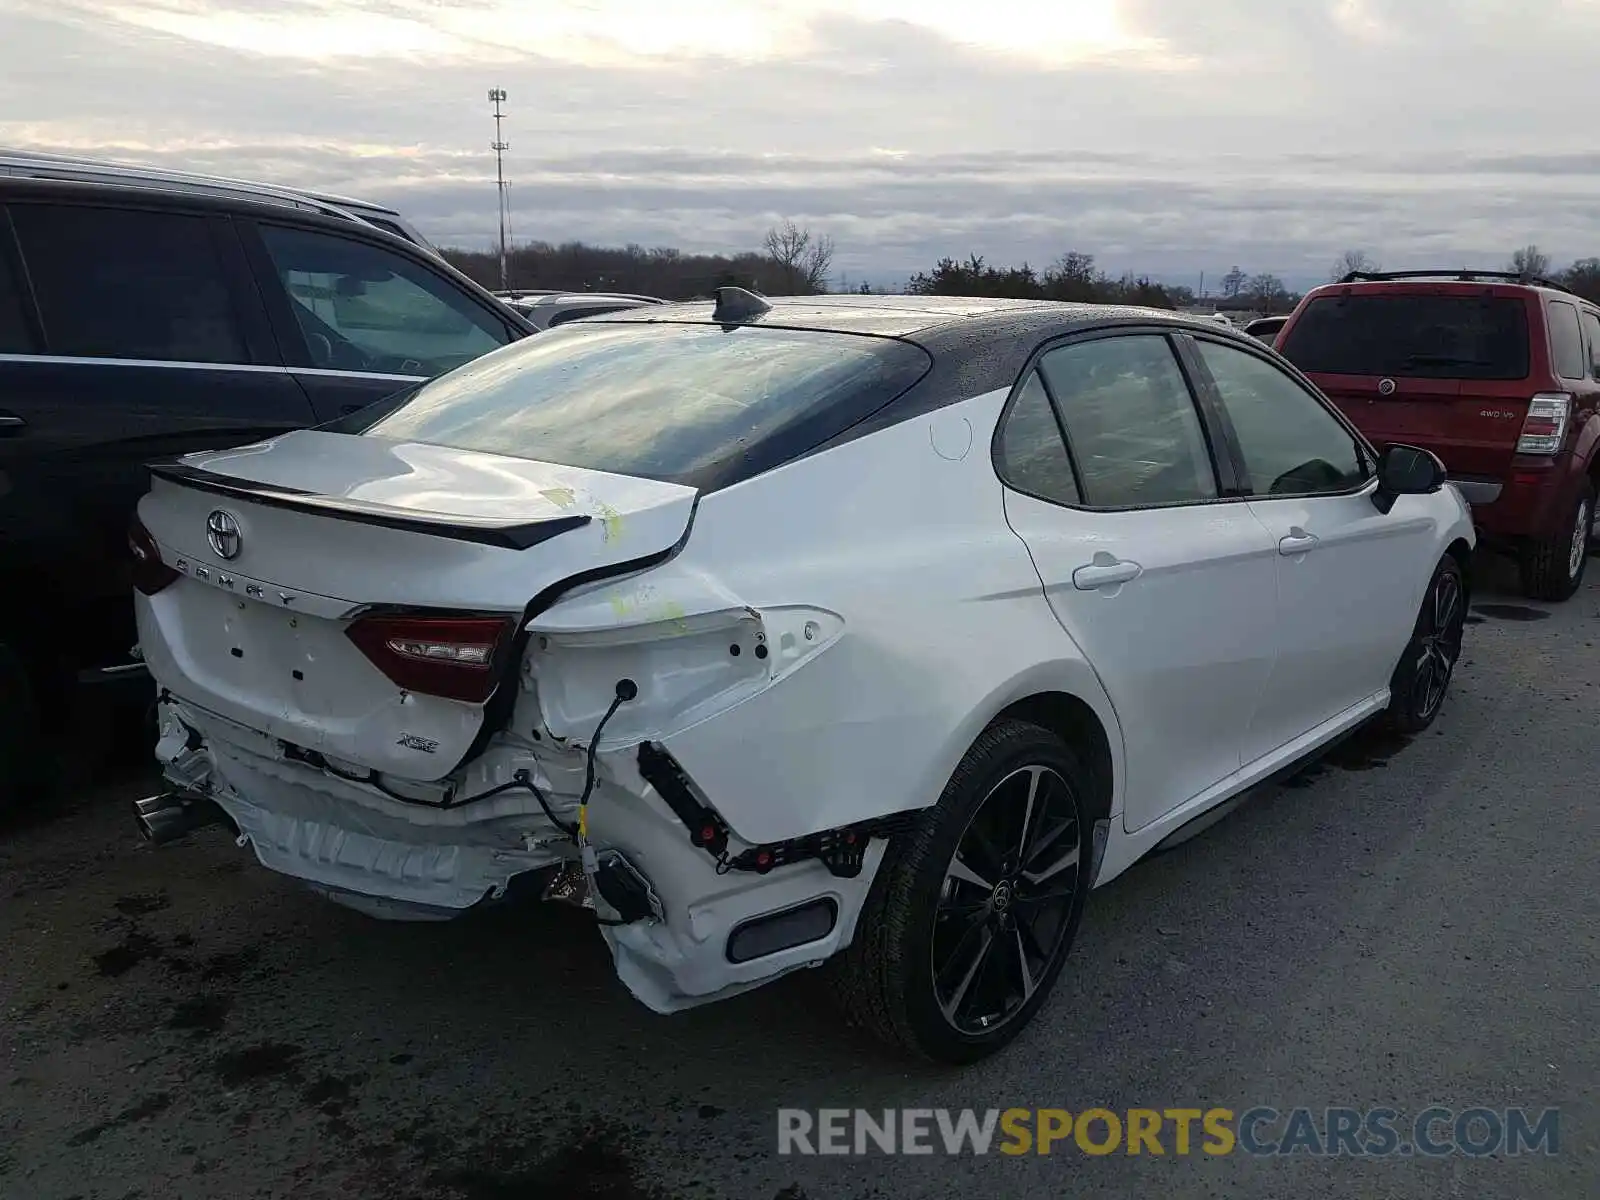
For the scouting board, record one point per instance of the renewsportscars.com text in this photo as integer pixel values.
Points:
(1374, 1132)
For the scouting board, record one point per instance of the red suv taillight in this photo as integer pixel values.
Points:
(150, 574)
(457, 658)
(1545, 426)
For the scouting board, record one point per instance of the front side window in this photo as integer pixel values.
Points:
(1292, 445)
(364, 308)
(128, 283)
(14, 335)
(683, 403)
(1030, 454)
(1566, 343)
(1135, 433)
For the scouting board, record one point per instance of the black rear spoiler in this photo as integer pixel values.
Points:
(509, 535)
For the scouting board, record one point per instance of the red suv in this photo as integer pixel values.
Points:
(1497, 374)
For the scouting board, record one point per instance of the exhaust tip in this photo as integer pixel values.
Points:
(168, 816)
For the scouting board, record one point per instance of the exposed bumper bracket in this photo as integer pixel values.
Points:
(841, 850)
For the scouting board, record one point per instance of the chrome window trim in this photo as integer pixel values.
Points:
(181, 365)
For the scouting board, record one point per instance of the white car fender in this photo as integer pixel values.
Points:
(931, 619)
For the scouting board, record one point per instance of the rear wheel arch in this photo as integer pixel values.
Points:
(1079, 726)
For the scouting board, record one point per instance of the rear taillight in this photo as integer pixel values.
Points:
(150, 574)
(457, 658)
(1545, 427)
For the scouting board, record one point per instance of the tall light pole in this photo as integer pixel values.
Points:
(500, 146)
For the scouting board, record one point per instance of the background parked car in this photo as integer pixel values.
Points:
(1266, 328)
(138, 322)
(546, 310)
(1496, 373)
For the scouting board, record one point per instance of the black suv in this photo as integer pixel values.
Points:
(139, 322)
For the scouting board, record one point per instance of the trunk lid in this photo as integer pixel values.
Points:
(320, 528)
(1446, 366)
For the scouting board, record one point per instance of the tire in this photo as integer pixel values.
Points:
(20, 753)
(1422, 677)
(1553, 569)
(929, 909)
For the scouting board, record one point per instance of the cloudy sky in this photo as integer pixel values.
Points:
(1168, 136)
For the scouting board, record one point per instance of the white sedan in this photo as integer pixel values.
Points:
(877, 628)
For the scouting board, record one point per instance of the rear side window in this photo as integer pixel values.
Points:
(14, 335)
(1411, 335)
(1591, 334)
(1030, 454)
(125, 283)
(1566, 343)
(693, 404)
(1135, 434)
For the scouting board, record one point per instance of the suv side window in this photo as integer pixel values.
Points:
(1566, 343)
(364, 308)
(14, 335)
(1030, 455)
(1131, 422)
(129, 283)
(1292, 445)
(1591, 333)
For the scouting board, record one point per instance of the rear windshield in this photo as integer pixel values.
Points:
(1434, 337)
(694, 404)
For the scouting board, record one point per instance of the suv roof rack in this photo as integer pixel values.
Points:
(90, 170)
(1463, 276)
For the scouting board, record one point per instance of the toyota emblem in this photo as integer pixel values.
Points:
(222, 532)
(1385, 387)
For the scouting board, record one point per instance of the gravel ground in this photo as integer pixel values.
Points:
(1401, 924)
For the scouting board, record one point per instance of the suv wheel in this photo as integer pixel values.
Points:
(1553, 569)
(971, 915)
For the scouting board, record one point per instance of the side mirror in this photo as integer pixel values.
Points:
(1406, 471)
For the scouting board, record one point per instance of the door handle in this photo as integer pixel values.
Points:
(1105, 571)
(1298, 541)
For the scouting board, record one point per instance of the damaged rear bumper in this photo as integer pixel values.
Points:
(722, 918)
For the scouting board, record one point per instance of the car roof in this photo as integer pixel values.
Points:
(133, 193)
(32, 164)
(1443, 283)
(918, 317)
(38, 165)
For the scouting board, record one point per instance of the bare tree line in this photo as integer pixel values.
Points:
(796, 260)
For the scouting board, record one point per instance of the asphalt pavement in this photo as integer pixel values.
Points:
(1404, 924)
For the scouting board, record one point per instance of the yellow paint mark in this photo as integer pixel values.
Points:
(561, 497)
(613, 521)
(621, 605)
(673, 611)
